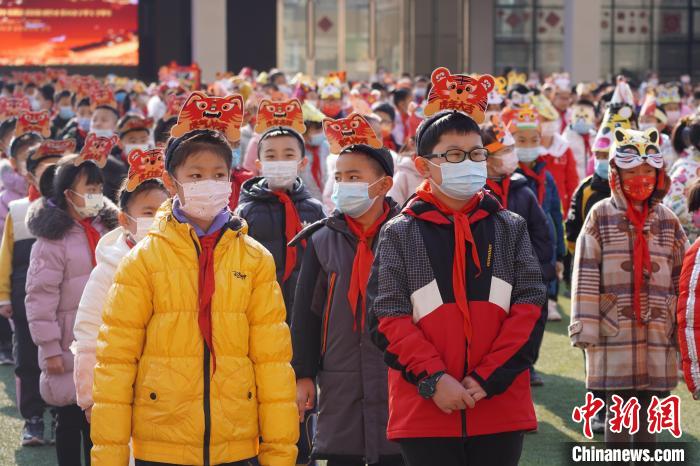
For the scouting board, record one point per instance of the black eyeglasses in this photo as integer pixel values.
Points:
(477, 154)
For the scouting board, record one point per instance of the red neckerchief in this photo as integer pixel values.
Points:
(405, 119)
(562, 126)
(292, 226)
(93, 237)
(463, 234)
(239, 175)
(33, 194)
(641, 255)
(362, 263)
(207, 286)
(388, 142)
(586, 145)
(540, 178)
(129, 241)
(316, 166)
(500, 189)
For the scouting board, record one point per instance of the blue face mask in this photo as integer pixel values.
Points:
(84, 123)
(582, 127)
(353, 198)
(103, 133)
(528, 154)
(236, 156)
(120, 97)
(602, 167)
(461, 180)
(66, 112)
(317, 139)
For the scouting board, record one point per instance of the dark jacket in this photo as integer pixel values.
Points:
(552, 209)
(348, 368)
(523, 202)
(591, 191)
(22, 248)
(264, 214)
(416, 321)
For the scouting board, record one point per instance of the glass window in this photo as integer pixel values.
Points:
(357, 25)
(325, 36)
(294, 35)
(388, 26)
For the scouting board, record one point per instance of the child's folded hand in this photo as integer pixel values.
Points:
(54, 365)
(473, 388)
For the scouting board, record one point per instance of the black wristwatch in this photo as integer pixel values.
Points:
(427, 386)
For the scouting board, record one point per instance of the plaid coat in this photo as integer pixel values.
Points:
(622, 353)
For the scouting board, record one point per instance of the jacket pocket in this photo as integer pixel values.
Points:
(670, 320)
(327, 312)
(609, 319)
(164, 395)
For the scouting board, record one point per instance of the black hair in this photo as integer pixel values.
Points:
(694, 196)
(110, 108)
(380, 158)
(33, 161)
(399, 95)
(7, 127)
(25, 140)
(274, 76)
(686, 133)
(586, 103)
(378, 86)
(60, 95)
(488, 135)
(385, 108)
(421, 78)
(46, 181)
(125, 197)
(84, 102)
(124, 120)
(179, 149)
(446, 121)
(47, 91)
(67, 173)
(313, 125)
(281, 131)
(161, 133)
(520, 89)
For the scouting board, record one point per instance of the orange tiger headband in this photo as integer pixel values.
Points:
(286, 114)
(349, 131)
(54, 148)
(96, 149)
(144, 166)
(13, 106)
(222, 114)
(36, 122)
(460, 92)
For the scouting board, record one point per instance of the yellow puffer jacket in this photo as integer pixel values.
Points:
(151, 382)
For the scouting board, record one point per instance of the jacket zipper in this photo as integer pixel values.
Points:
(327, 313)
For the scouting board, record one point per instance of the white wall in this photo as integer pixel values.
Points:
(209, 36)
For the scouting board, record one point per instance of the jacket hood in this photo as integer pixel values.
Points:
(405, 164)
(618, 195)
(112, 248)
(46, 220)
(336, 221)
(257, 189)
(11, 180)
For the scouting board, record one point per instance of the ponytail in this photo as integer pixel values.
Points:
(686, 133)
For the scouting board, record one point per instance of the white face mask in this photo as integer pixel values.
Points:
(103, 133)
(93, 204)
(461, 180)
(143, 225)
(504, 164)
(353, 199)
(205, 199)
(673, 116)
(529, 154)
(280, 175)
(129, 147)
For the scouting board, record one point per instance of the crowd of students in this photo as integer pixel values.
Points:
(276, 270)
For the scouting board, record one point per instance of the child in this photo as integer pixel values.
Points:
(626, 271)
(580, 133)
(525, 129)
(67, 226)
(13, 172)
(17, 242)
(686, 140)
(454, 304)
(652, 115)
(317, 151)
(407, 179)
(7, 130)
(277, 204)
(193, 355)
(331, 343)
(134, 133)
(79, 126)
(687, 307)
(64, 104)
(139, 199)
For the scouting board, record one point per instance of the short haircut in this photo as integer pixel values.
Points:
(161, 133)
(586, 103)
(179, 149)
(381, 158)
(7, 127)
(67, 173)
(110, 108)
(63, 95)
(385, 108)
(400, 95)
(447, 121)
(84, 102)
(279, 132)
(25, 140)
(47, 91)
(33, 161)
(125, 197)
(694, 196)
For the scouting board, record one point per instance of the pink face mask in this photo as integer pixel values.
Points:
(205, 199)
(505, 164)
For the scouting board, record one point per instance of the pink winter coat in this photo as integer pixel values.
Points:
(59, 267)
(14, 187)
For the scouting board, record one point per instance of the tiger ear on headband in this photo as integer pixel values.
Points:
(51, 147)
(13, 106)
(345, 132)
(287, 113)
(200, 111)
(37, 122)
(96, 149)
(102, 96)
(460, 92)
(143, 166)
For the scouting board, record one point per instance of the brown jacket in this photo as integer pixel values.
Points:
(621, 353)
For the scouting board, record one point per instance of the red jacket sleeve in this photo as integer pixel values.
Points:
(688, 312)
(571, 180)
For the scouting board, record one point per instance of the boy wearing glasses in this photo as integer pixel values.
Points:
(455, 303)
